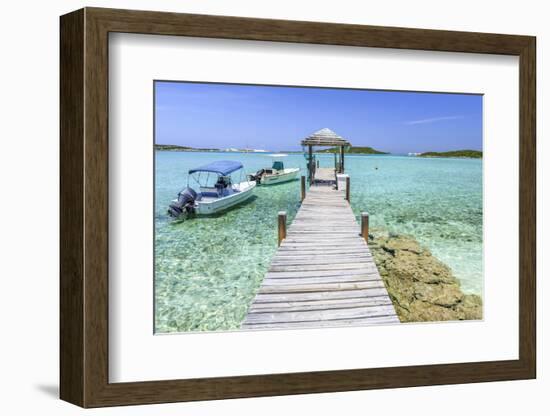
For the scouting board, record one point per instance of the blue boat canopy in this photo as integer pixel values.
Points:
(222, 167)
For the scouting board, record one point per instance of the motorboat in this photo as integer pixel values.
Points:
(277, 173)
(214, 190)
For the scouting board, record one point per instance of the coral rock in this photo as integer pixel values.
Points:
(421, 287)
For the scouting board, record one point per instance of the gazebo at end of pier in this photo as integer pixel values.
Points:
(324, 138)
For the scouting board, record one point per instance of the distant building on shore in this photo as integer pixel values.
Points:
(232, 149)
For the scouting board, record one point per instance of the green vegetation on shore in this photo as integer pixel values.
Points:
(177, 148)
(357, 150)
(476, 154)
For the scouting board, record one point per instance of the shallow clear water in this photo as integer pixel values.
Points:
(208, 269)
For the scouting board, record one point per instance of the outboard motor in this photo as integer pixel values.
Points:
(257, 177)
(185, 203)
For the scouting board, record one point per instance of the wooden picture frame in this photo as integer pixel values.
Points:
(84, 207)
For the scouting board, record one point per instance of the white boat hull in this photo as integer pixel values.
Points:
(280, 176)
(209, 206)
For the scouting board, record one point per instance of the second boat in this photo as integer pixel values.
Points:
(276, 174)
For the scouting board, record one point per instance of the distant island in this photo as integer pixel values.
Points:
(178, 148)
(357, 150)
(475, 154)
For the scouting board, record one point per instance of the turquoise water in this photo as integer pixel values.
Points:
(208, 269)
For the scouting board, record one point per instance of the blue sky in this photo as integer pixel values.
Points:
(277, 118)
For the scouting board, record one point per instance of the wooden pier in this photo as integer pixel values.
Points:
(324, 176)
(323, 273)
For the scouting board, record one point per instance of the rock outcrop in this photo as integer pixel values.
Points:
(421, 287)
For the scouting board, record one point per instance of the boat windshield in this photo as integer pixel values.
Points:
(278, 165)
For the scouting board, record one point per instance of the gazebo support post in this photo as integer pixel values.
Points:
(341, 159)
(310, 164)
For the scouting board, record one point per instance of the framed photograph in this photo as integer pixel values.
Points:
(254, 207)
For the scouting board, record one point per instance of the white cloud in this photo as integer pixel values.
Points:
(433, 120)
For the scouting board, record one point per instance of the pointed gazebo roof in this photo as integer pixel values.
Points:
(325, 137)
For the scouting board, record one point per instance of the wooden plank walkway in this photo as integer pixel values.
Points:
(325, 176)
(323, 274)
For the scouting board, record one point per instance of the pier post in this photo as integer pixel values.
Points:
(365, 226)
(347, 189)
(303, 187)
(282, 226)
